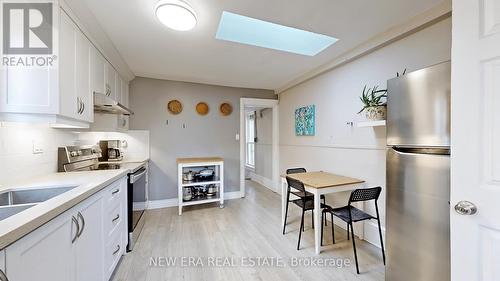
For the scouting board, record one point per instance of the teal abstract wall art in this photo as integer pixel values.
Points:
(305, 121)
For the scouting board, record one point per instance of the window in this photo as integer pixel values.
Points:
(250, 139)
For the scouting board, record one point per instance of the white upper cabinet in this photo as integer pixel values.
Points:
(76, 100)
(28, 86)
(98, 69)
(110, 81)
(67, 62)
(118, 87)
(125, 94)
(83, 74)
(61, 93)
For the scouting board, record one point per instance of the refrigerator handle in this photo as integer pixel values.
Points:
(422, 150)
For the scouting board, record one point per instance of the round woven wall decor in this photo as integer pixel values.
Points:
(202, 108)
(174, 107)
(226, 109)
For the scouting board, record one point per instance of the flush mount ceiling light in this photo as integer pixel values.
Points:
(176, 14)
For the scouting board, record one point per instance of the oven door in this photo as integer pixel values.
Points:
(137, 201)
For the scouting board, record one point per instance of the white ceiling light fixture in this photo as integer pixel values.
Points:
(176, 14)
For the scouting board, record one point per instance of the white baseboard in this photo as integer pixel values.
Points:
(174, 202)
(370, 230)
(263, 181)
(371, 233)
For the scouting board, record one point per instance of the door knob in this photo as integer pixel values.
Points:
(465, 208)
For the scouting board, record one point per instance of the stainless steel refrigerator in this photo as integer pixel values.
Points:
(418, 175)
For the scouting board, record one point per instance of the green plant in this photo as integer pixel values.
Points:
(373, 97)
(402, 74)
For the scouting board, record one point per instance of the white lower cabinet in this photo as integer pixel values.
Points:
(45, 254)
(89, 245)
(73, 246)
(2, 266)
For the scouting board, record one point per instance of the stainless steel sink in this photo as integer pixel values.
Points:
(18, 200)
(8, 211)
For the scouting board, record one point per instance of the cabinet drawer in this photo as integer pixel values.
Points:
(113, 252)
(115, 193)
(114, 219)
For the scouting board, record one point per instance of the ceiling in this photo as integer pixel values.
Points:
(152, 50)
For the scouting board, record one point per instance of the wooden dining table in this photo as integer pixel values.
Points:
(318, 183)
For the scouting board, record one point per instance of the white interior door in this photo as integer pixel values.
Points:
(475, 159)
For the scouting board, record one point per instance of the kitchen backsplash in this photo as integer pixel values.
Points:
(17, 143)
(137, 142)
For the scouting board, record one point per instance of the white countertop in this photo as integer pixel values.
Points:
(87, 183)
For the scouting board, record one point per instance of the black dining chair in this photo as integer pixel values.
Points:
(350, 215)
(298, 194)
(306, 203)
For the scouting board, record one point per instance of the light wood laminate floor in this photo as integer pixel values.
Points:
(245, 230)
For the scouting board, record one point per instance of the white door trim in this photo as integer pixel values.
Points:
(262, 103)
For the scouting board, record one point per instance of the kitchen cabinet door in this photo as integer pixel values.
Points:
(45, 254)
(125, 94)
(25, 88)
(69, 101)
(2, 263)
(118, 87)
(90, 243)
(83, 73)
(98, 72)
(110, 81)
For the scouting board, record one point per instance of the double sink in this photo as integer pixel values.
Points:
(17, 200)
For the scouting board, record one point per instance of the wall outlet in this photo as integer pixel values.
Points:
(37, 147)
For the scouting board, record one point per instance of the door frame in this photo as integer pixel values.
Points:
(263, 103)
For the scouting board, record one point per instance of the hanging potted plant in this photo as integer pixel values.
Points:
(374, 103)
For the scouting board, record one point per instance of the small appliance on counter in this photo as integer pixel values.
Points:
(111, 150)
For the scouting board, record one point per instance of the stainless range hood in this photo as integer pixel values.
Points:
(105, 104)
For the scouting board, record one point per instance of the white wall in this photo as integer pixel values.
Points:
(187, 134)
(338, 147)
(17, 161)
(263, 172)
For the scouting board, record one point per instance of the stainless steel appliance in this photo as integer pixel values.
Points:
(82, 158)
(105, 104)
(418, 175)
(137, 204)
(111, 150)
(86, 158)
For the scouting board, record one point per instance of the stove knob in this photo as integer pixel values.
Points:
(79, 153)
(73, 154)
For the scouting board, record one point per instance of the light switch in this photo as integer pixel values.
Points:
(37, 147)
(237, 137)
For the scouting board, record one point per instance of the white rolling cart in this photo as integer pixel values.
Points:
(184, 165)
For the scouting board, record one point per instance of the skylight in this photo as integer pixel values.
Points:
(255, 32)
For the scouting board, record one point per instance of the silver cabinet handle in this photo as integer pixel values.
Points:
(3, 277)
(117, 250)
(77, 229)
(116, 218)
(115, 191)
(83, 107)
(465, 208)
(83, 224)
